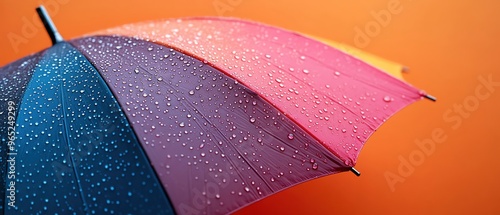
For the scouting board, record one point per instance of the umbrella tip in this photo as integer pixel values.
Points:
(54, 35)
(432, 98)
(355, 171)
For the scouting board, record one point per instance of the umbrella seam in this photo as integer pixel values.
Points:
(66, 135)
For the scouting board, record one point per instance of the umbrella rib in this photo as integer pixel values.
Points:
(335, 161)
(68, 140)
(284, 142)
(239, 153)
(188, 103)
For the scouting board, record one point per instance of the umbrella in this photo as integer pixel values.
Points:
(188, 116)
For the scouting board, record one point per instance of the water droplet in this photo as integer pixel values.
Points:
(252, 120)
(290, 136)
(181, 124)
(305, 71)
(315, 166)
(247, 189)
(387, 99)
(337, 73)
(191, 92)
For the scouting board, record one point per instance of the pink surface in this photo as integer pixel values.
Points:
(336, 98)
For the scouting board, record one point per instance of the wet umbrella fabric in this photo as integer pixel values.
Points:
(210, 117)
(76, 152)
(313, 83)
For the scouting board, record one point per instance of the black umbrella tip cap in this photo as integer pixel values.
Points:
(355, 171)
(432, 98)
(54, 35)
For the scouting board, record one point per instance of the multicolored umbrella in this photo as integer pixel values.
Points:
(188, 116)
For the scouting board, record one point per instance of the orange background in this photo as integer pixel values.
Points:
(447, 45)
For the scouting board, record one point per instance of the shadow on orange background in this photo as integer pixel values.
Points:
(451, 48)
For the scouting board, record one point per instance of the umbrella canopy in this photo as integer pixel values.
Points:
(196, 116)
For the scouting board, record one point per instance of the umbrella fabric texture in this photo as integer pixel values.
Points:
(193, 116)
(307, 80)
(75, 151)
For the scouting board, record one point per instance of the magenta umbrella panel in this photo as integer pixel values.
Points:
(116, 124)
